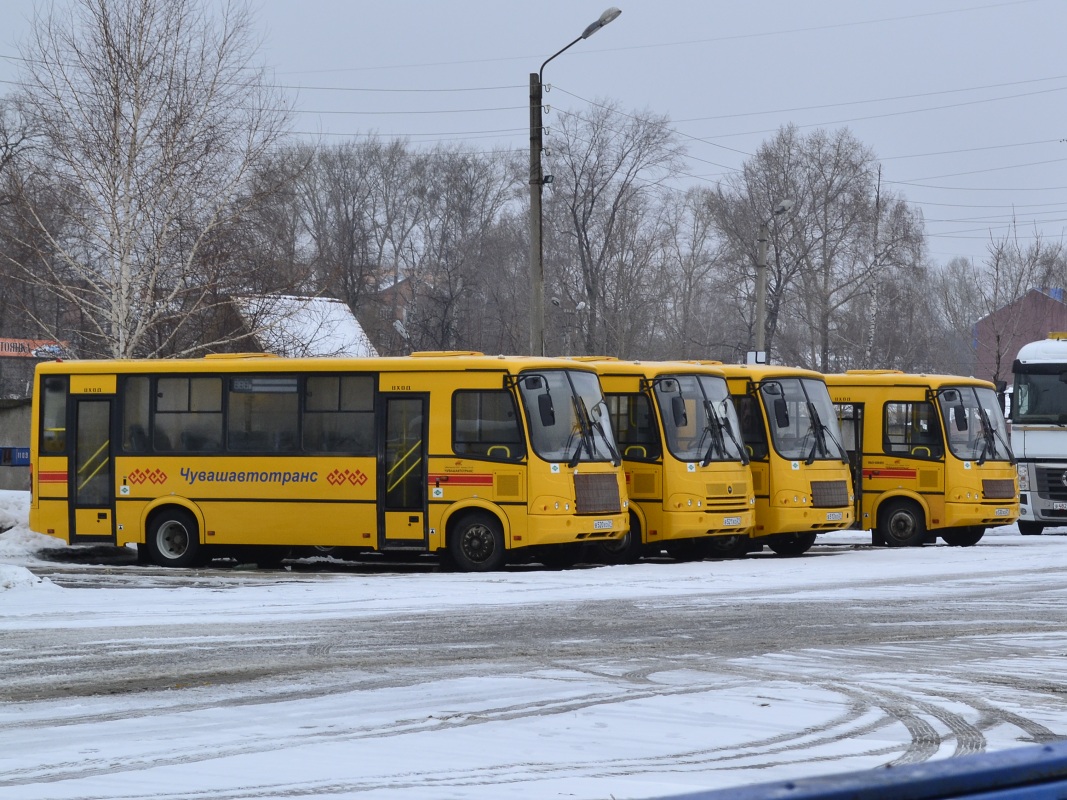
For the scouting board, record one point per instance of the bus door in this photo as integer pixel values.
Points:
(92, 479)
(402, 493)
(850, 420)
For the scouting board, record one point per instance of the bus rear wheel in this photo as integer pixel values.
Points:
(791, 544)
(901, 523)
(477, 543)
(963, 537)
(173, 539)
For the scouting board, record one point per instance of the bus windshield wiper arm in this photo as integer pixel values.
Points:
(714, 429)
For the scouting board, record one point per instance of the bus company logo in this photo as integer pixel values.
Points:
(139, 476)
(341, 476)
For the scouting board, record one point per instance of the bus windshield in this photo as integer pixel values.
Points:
(802, 420)
(1040, 395)
(568, 416)
(699, 419)
(975, 424)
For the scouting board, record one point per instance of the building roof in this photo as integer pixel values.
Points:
(304, 326)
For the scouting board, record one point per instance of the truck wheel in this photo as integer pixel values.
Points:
(1028, 528)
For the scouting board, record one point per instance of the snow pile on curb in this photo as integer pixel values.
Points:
(21, 578)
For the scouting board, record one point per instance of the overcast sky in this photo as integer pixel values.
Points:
(960, 100)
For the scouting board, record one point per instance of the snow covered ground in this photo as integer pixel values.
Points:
(953, 650)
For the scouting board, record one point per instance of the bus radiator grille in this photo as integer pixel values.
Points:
(597, 494)
(998, 489)
(829, 494)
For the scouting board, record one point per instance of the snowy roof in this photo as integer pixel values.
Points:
(304, 326)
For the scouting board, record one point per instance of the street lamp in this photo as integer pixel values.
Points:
(761, 277)
(537, 266)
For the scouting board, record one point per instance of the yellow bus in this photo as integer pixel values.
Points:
(687, 473)
(800, 470)
(930, 455)
(460, 454)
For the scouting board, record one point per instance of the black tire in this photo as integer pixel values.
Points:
(963, 537)
(732, 546)
(687, 549)
(477, 543)
(173, 539)
(263, 556)
(627, 550)
(791, 544)
(562, 556)
(1028, 528)
(902, 523)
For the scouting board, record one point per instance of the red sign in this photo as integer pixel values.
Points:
(32, 348)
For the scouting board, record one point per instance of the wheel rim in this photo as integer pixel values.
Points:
(478, 543)
(172, 539)
(901, 526)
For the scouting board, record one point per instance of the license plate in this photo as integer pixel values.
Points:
(731, 521)
(1003, 512)
(834, 516)
(1055, 506)
(602, 524)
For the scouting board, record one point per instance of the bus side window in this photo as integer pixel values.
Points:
(54, 415)
(485, 424)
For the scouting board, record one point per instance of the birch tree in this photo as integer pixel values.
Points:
(151, 117)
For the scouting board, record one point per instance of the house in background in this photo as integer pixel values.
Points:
(304, 326)
(998, 336)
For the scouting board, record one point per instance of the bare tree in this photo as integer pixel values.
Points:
(841, 246)
(151, 116)
(607, 167)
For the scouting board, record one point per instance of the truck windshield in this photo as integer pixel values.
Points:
(801, 419)
(1040, 396)
(974, 424)
(699, 419)
(567, 416)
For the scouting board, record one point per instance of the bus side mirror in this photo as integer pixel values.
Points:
(681, 419)
(781, 413)
(961, 418)
(545, 410)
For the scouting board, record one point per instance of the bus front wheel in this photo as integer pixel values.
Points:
(963, 537)
(902, 524)
(174, 539)
(477, 544)
(734, 545)
(791, 544)
(628, 549)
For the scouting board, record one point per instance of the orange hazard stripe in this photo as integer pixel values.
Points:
(51, 477)
(889, 473)
(463, 480)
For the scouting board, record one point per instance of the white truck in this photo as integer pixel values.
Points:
(1039, 432)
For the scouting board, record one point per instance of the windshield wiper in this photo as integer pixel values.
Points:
(713, 427)
(821, 431)
(733, 438)
(585, 433)
(616, 459)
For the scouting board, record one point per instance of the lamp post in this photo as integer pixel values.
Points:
(537, 266)
(761, 277)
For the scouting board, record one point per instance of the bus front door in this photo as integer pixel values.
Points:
(402, 479)
(92, 480)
